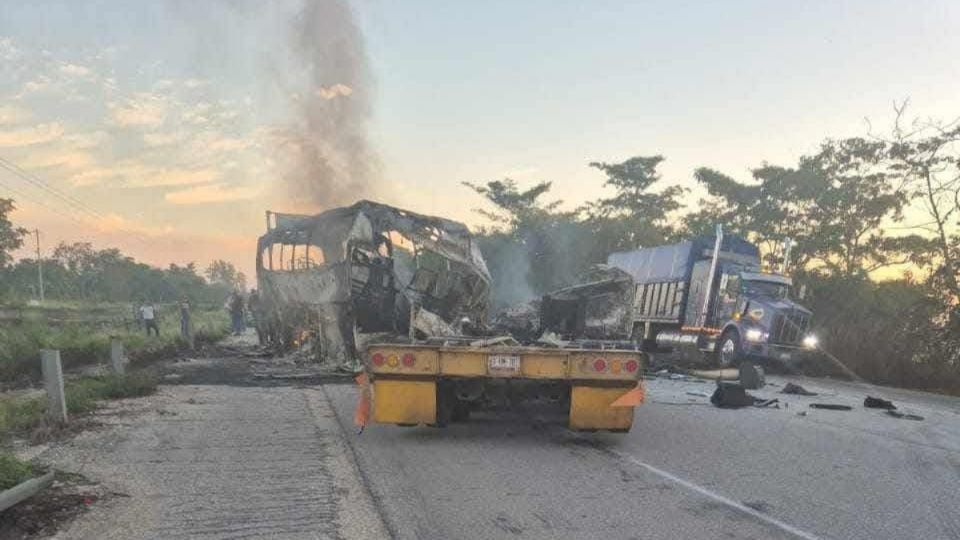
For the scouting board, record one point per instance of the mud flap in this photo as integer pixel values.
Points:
(404, 402)
(592, 408)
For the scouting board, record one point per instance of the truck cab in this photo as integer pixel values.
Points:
(759, 319)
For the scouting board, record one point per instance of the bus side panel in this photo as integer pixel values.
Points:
(404, 402)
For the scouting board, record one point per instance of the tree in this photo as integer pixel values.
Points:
(926, 156)
(11, 237)
(635, 215)
(221, 272)
(528, 251)
(835, 203)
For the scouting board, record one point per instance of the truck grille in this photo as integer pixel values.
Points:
(789, 327)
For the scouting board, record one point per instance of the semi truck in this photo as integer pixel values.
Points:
(403, 297)
(710, 294)
(706, 294)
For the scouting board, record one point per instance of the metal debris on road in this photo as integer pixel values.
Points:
(831, 406)
(905, 416)
(796, 389)
(877, 403)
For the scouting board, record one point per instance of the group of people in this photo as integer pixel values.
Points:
(148, 315)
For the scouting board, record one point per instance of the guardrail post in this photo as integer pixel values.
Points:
(53, 383)
(117, 361)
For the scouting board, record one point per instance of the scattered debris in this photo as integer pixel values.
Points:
(877, 403)
(767, 403)
(731, 396)
(678, 377)
(698, 394)
(796, 389)
(905, 416)
(831, 406)
(802, 413)
(500, 340)
(752, 377)
(597, 307)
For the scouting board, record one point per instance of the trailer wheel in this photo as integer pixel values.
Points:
(728, 350)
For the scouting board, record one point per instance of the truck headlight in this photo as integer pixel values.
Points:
(810, 341)
(753, 335)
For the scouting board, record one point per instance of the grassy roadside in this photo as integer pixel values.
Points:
(83, 344)
(13, 471)
(22, 416)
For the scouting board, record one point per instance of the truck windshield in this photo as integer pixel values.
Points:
(770, 289)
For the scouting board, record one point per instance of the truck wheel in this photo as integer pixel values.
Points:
(728, 349)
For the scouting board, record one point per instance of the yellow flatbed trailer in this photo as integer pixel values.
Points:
(406, 379)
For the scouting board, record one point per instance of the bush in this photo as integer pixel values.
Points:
(20, 414)
(83, 394)
(13, 471)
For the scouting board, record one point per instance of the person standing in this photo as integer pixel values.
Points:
(254, 307)
(186, 332)
(148, 313)
(236, 313)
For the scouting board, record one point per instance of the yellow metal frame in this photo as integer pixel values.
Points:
(535, 363)
(404, 402)
(590, 409)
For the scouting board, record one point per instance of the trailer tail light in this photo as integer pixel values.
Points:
(393, 361)
(615, 367)
(409, 359)
(599, 364)
(378, 359)
(631, 366)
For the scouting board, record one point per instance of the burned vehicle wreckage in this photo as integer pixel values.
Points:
(352, 274)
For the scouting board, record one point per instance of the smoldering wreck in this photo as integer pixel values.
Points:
(350, 275)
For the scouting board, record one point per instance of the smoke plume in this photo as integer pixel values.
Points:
(326, 155)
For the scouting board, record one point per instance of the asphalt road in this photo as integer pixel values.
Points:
(686, 470)
(238, 458)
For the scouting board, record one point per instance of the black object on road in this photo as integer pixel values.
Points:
(905, 416)
(752, 377)
(731, 396)
(791, 388)
(831, 406)
(878, 403)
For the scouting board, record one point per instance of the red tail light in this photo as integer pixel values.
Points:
(599, 364)
(409, 359)
(378, 359)
(631, 366)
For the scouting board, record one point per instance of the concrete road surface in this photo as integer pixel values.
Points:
(247, 461)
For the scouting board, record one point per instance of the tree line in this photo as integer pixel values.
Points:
(875, 219)
(79, 272)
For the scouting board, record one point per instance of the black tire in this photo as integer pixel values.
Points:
(728, 352)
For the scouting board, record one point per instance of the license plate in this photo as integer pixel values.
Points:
(503, 362)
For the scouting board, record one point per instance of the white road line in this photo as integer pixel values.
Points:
(786, 527)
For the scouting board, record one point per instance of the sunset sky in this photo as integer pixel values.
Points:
(163, 120)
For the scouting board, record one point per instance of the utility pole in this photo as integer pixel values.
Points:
(39, 265)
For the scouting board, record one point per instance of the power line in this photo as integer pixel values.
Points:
(31, 178)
